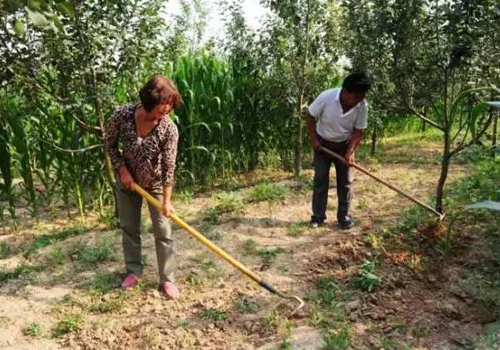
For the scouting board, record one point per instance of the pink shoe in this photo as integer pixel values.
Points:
(130, 281)
(170, 290)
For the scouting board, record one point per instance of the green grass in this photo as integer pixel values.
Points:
(33, 330)
(228, 203)
(87, 256)
(270, 192)
(186, 195)
(212, 216)
(105, 283)
(296, 229)
(214, 315)
(5, 250)
(210, 268)
(338, 339)
(56, 256)
(285, 344)
(249, 247)
(268, 255)
(368, 280)
(412, 217)
(46, 240)
(194, 279)
(327, 290)
(113, 304)
(23, 269)
(245, 306)
(71, 323)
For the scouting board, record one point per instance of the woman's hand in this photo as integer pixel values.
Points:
(126, 178)
(167, 208)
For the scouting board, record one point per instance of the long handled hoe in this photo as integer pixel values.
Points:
(221, 253)
(392, 187)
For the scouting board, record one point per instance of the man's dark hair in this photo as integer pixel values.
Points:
(357, 82)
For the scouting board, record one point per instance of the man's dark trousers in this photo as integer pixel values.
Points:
(322, 164)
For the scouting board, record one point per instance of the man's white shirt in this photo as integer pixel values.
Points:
(333, 125)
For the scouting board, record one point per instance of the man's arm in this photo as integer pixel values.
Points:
(311, 129)
(356, 138)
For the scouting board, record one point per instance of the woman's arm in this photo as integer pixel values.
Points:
(169, 154)
(111, 140)
(112, 136)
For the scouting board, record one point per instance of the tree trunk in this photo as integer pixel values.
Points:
(374, 141)
(495, 128)
(110, 175)
(445, 165)
(300, 122)
(445, 162)
(298, 145)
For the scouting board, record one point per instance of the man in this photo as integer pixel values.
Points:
(341, 115)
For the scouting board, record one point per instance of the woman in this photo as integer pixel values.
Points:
(148, 149)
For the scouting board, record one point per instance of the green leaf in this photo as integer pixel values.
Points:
(485, 205)
(34, 5)
(19, 27)
(198, 148)
(37, 18)
(66, 9)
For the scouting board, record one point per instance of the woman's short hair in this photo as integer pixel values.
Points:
(158, 90)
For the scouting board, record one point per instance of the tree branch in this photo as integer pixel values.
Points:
(81, 150)
(427, 120)
(474, 140)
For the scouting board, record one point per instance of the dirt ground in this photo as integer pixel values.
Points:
(371, 287)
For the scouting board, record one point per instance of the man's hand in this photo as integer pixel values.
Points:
(167, 208)
(349, 156)
(126, 178)
(315, 144)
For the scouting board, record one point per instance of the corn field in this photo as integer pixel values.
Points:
(225, 125)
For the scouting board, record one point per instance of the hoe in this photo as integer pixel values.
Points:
(221, 253)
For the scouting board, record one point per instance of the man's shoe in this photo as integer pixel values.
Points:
(346, 224)
(315, 224)
(130, 281)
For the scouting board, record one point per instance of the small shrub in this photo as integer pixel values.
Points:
(5, 250)
(268, 255)
(194, 279)
(22, 269)
(338, 340)
(105, 282)
(250, 247)
(297, 229)
(367, 280)
(212, 216)
(228, 203)
(108, 305)
(33, 330)
(285, 344)
(46, 240)
(214, 315)
(91, 256)
(72, 323)
(245, 306)
(267, 191)
(327, 290)
(411, 219)
(186, 195)
(57, 256)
